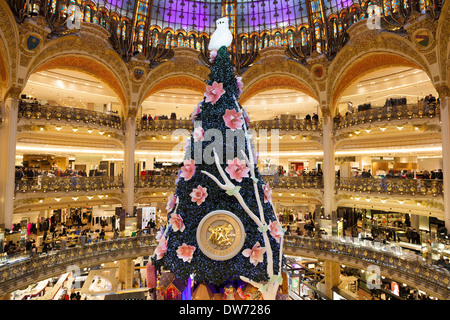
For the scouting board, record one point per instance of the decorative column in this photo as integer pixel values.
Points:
(328, 170)
(332, 271)
(128, 161)
(8, 134)
(444, 98)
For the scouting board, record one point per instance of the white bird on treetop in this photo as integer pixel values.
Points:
(222, 36)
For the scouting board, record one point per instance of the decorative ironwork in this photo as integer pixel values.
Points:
(282, 125)
(30, 267)
(412, 111)
(74, 115)
(400, 186)
(75, 183)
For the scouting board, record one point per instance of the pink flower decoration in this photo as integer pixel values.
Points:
(196, 111)
(212, 55)
(237, 169)
(233, 119)
(159, 234)
(199, 195)
(256, 254)
(267, 193)
(177, 222)
(171, 201)
(161, 248)
(275, 230)
(240, 84)
(214, 92)
(188, 170)
(198, 134)
(185, 252)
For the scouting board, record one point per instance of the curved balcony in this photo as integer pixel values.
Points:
(401, 112)
(298, 182)
(404, 267)
(68, 115)
(282, 125)
(397, 186)
(66, 184)
(30, 269)
(165, 125)
(276, 182)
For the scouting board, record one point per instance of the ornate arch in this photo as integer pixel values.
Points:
(273, 67)
(271, 82)
(9, 47)
(88, 56)
(365, 65)
(368, 51)
(443, 44)
(173, 82)
(184, 71)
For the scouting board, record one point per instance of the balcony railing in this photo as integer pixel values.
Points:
(398, 186)
(298, 182)
(287, 125)
(165, 125)
(67, 114)
(413, 111)
(36, 267)
(282, 125)
(276, 182)
(366, 185)
(411, 268)
(58, 184)
(31, 268)
(156, 181)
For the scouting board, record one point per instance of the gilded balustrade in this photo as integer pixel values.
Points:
(77, 115)
(75, 183)
(411, 111)
(29, 268)
(276, 182)
(165, 125)
(398, 186)
(33, 268)
(410, 268)
(282, 125)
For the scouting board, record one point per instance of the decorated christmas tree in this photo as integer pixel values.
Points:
(222, 224)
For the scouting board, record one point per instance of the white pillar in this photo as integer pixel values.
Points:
(8, 134)
(445, 130)
(128, 164)
(328, 167)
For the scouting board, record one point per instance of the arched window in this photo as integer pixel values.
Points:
(168, 40)
(244, 44)
(304, 36)
(180, 40)
(423, 7)
(139, 38)
(192, 42)
(318, 36)
(277, 41)
(87, 13)
(290, 38)
(265, 40)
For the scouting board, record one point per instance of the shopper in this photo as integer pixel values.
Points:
(441, 261)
